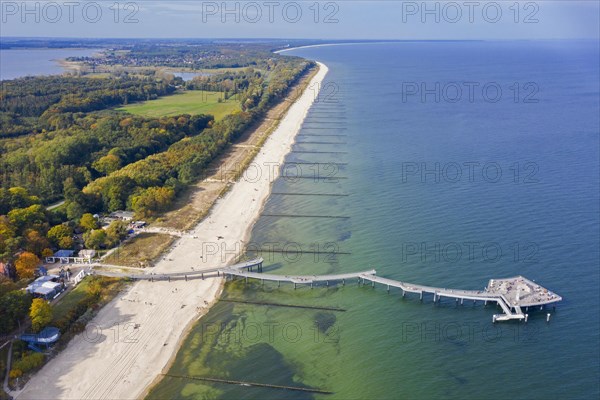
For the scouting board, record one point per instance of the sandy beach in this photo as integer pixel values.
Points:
(133, 338)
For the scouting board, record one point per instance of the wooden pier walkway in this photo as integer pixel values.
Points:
(297, 279)
(192, 274)
(438, 293)
(511, 294)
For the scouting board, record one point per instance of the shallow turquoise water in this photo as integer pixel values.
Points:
(538, 217)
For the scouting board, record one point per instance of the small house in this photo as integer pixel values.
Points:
(87, 253)
(46, 287)
(61, 256)
(122, 216)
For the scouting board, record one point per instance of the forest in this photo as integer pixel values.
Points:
(62, 139)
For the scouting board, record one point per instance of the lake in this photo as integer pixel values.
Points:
(31, 62)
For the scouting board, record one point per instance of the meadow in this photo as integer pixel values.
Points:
(191, 102)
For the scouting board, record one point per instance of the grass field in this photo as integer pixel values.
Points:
(140, 250)
(189, 102)
(71, 299)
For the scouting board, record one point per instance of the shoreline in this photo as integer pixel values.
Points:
(137, 335)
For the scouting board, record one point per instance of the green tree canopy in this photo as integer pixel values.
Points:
(56, 233)
(88, 222)
(95, 239)
(14, 306)
(116, 231)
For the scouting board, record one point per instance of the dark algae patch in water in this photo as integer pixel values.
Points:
(324, 321)
(230, 351)
(255, 366)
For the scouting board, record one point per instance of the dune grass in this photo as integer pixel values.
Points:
(141, 250)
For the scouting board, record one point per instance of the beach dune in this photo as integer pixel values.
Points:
(133, 338)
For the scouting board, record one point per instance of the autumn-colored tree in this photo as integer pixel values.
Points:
(107, 164)
(94, 287)
(65, 242)
(20, 198)
(7, 234)
(116, 231)
(40, 314)
(26, 264)
(7, 230)
(35, 242)
(26, 217)
(152, 200)
(56, 233)
(95, 239)
(47, 252)
(88, 222)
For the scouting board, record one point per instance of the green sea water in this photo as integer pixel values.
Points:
(539, 218)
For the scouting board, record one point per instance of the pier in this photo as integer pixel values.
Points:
(513, 295)
(296, 280)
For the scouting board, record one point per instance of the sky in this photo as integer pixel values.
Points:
(341, 19)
